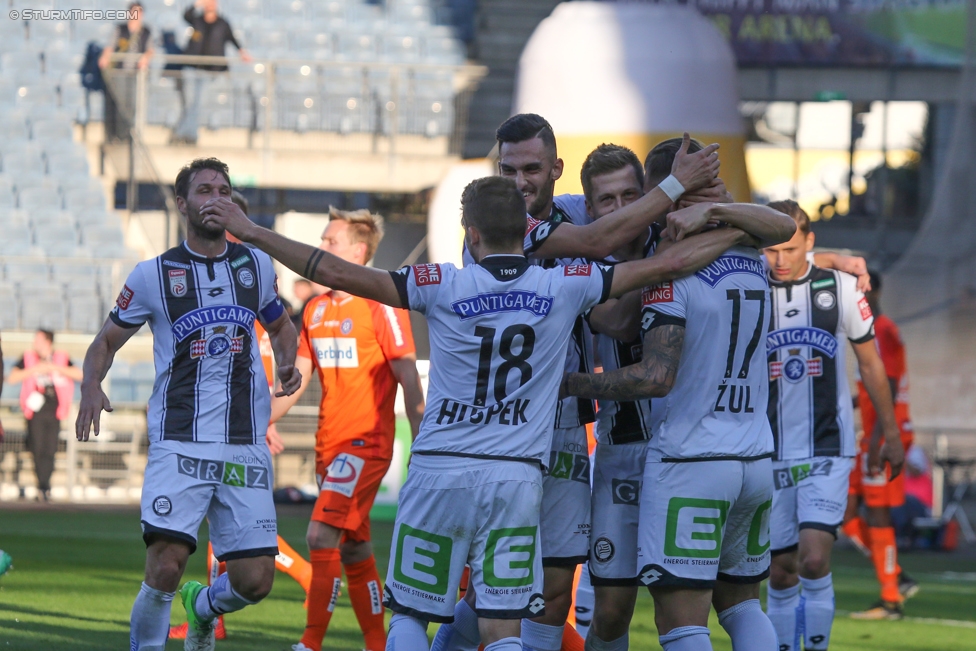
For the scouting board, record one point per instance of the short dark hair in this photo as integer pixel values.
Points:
(875, 280)
(526, 126)
(495, 207)
(187, 172)
(48, 334)
(792, 208)
(605, 159)
(660, 160)
(240, 200)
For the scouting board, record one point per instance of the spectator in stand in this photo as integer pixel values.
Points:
(131, 37)
(47, 385)
(211, 34)
(918, 496)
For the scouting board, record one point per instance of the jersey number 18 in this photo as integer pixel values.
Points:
(511, 360)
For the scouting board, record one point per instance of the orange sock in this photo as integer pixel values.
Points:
(884, 553)
(858, 531)
(365, 594)
(322, 595)
(572, 641)
(293, 564)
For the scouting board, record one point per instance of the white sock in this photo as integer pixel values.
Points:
(460, 635)
(505, 644)
(406, 634)
(149, 621)
(219, 599)
(749, 627)
(686, 638)
(783, 607)
(541, 637)
(593, 643)
(818, 612)
(584, 602)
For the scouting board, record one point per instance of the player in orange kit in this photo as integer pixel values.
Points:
(362, 350)
(874, 533)
(288, 560)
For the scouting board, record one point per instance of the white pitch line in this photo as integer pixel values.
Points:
(958, 623)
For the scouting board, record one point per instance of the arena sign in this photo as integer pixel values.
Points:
(860, 33)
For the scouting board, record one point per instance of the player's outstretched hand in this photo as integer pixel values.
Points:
(688, 221)
(224, 212)
(273, 439)
(697, 170)
(290, 379)
(93, 402)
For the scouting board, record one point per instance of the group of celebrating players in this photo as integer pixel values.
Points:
(722, 415)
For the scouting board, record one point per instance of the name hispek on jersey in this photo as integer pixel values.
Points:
(498, 333)
(715, 408)
(810, 407)
(210, 381)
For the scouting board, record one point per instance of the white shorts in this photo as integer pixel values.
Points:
(809, 494)
(480, 512)
(565, 519)
(704, 520)
(618, 471)
(230, 485)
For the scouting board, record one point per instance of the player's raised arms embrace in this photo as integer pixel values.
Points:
(498, 332)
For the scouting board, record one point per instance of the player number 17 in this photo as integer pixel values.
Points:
(512, 360)
(735, 295)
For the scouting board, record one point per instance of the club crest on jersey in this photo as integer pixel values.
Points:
(125, 297)
(495, 302)
(824, 300)
(427, 274)
(177, 281)
(577, 270)
(728, 265)
(245, 277)
(795, 367)
(318, 314)
(202, 317)
(663, 293)
(218, 344)
(346, 326)
(802, 336)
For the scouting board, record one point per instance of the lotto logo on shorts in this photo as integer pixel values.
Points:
(663, 293)
(509, 558)
(694, 528)
(422, 563)
(241, 475)
(427, 274)
(343, 474)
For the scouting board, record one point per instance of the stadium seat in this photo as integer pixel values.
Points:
(7, 199)
(29, 271)
(72, 170)
(57, 131)
(98, 237)
(23, 162)
(85, 312)
(43, 311)
(38, 199)
(16, 239)
(9, 312)
(80, 199)
(23, 62)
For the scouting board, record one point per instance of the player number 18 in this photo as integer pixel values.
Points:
(512, 360)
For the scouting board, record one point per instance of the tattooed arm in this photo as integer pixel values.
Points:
(652, 377)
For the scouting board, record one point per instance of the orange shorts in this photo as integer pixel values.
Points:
(877, 491)
(347, 488)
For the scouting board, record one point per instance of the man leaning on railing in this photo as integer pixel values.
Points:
(211, 34)
(131, 37)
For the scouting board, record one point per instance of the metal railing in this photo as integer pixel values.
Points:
(373, 106)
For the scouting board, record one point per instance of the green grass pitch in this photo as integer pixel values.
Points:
(77, 571)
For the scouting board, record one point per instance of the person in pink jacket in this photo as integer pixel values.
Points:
(47, 385)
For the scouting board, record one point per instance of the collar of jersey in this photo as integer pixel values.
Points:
(220, 258)
(497, 262)
(790, 283)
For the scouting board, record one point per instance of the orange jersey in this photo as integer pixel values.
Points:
(888, 341)
(267, 353)
(352, 341)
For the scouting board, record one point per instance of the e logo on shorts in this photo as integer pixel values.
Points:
(509, 556)
(759, 530)
(694, 527)
(423, 559)
(162, 505)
